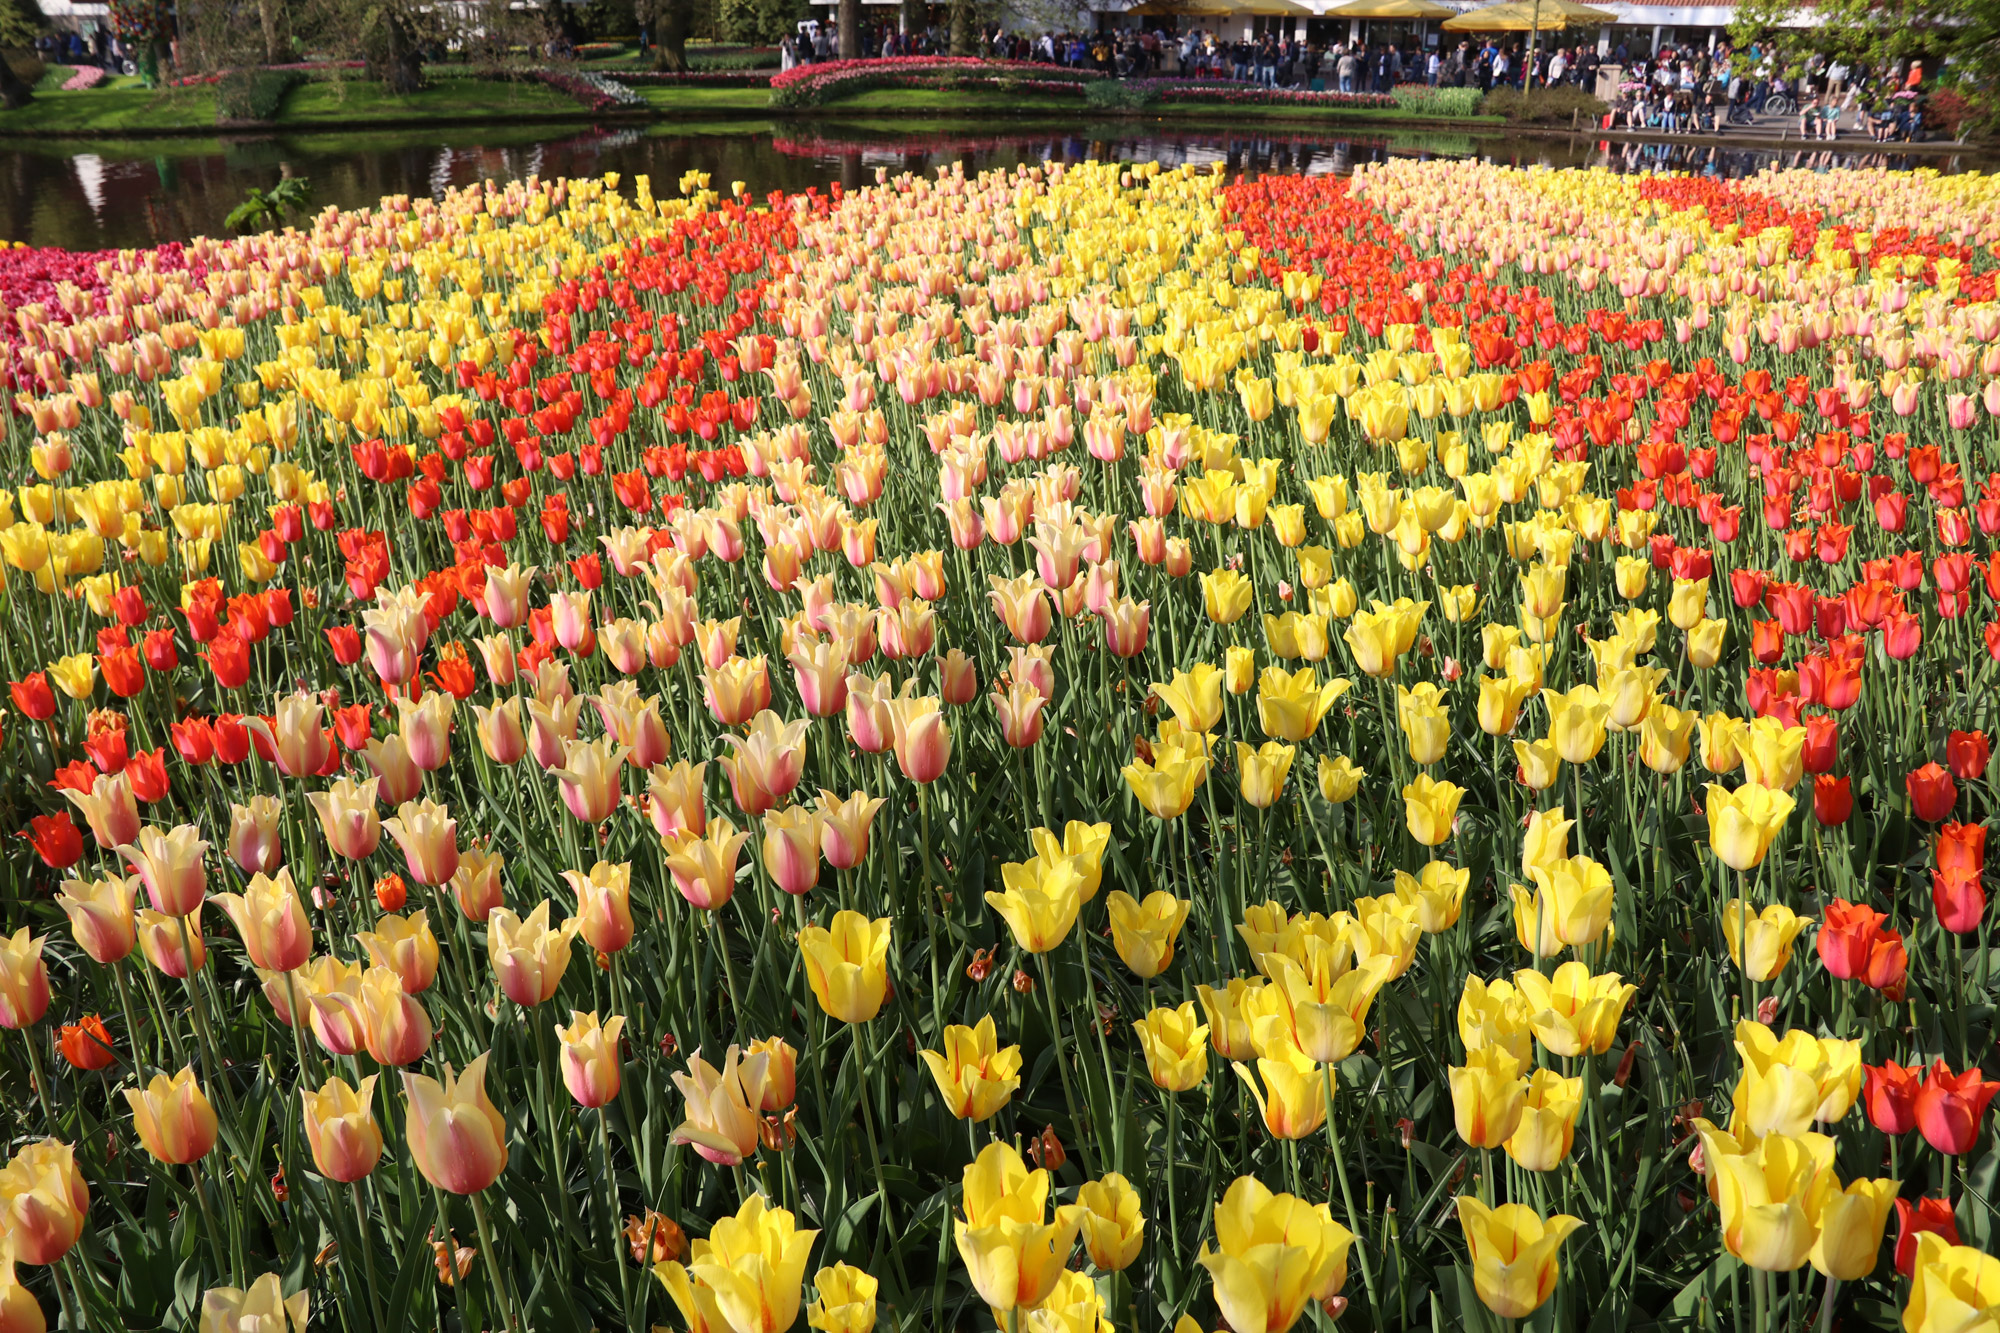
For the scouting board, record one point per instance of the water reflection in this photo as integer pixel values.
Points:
(134, 193)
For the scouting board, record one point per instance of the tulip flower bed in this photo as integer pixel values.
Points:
(1079, 748)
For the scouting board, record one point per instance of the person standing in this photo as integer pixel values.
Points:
(1433, 66)
(1347, 68)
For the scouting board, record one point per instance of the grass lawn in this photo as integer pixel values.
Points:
(688, 98)
(351, 99)
(110, 111)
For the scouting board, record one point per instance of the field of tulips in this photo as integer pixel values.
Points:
(1057, 751)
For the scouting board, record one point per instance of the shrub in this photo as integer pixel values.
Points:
(253, 94)
(1444, 103)
(1114, 95)
(1544, 106)
(810, 85)
(1959, 115)
(737, 61)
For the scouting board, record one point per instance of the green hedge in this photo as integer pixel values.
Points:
(1444, 103)
(1544, 106)
(254, 94)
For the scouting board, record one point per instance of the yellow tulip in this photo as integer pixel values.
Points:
(1743, 824)
(1144, 932)
(1114, 1226)
(1771, 1192)
(1631, 574)
(1790, 1082)
(1226, 595)
(1429, 807)
(1495, 1014)
(1339, 779)
(458, 1138)
(1425, 721)
(1487, 1096)
(1500, 700)
(1574, 1012)
(1688, 603)
(75, 676)
(1195, 696)
(1773, 754)
(1273, 1253)
(1513, 1252)
(1012, 1251)
(1766, 936)
(975, 1075)
(1040, 902)
(1546, 841)
(1292, 1099)
(847, 966)
(1576, 722)
(1435, 894)
(1722, 738)
(1850, 1229)
(1175, 1046)
(1082, 845)
(1373, 636)
(1262, 772)
(1704, 643)
(1949, 1283)
(1167, 786)
(1239, 668)
(1665, 738)
(1573, 898)
(1539, 763)
(1290, 705)
(1548, 1121)
(1318, 1008)
(846, 1301)
(755, 1263)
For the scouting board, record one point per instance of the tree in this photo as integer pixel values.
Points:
(672, 22)
(1958, 40)
(19, 20)
(850, 29)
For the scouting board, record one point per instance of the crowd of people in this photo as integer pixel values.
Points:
(1706, 91)
(1272, 59)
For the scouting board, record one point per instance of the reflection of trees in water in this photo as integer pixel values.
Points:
(145, 193)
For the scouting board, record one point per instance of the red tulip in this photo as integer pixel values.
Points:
(1950, 1107)
(1845, 937)
(107, 750)
(345, 640)
(55, 840)
(159, 651)
(33, 696)
(124, 673)
(1902, 635)
(1967, 752)
(1891, 1096)
(1932, 792)
(1961, 850)
(147, 772)
(229, 658)
(1888, 966)
(232, 738)
(1822, 745)
(1833, 799)
(1913, 1220)
(194, 740)
(354, 725)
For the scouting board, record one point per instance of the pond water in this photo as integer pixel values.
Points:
(142, 192)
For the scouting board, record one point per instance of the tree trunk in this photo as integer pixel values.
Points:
(13, 91)
(397, 60)
(850, 29)
(674, 20)
(915, 19)
(267, 16)
(961, 27)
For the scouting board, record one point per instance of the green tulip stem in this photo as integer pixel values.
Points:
(1354, 1221)
(493, 1269)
